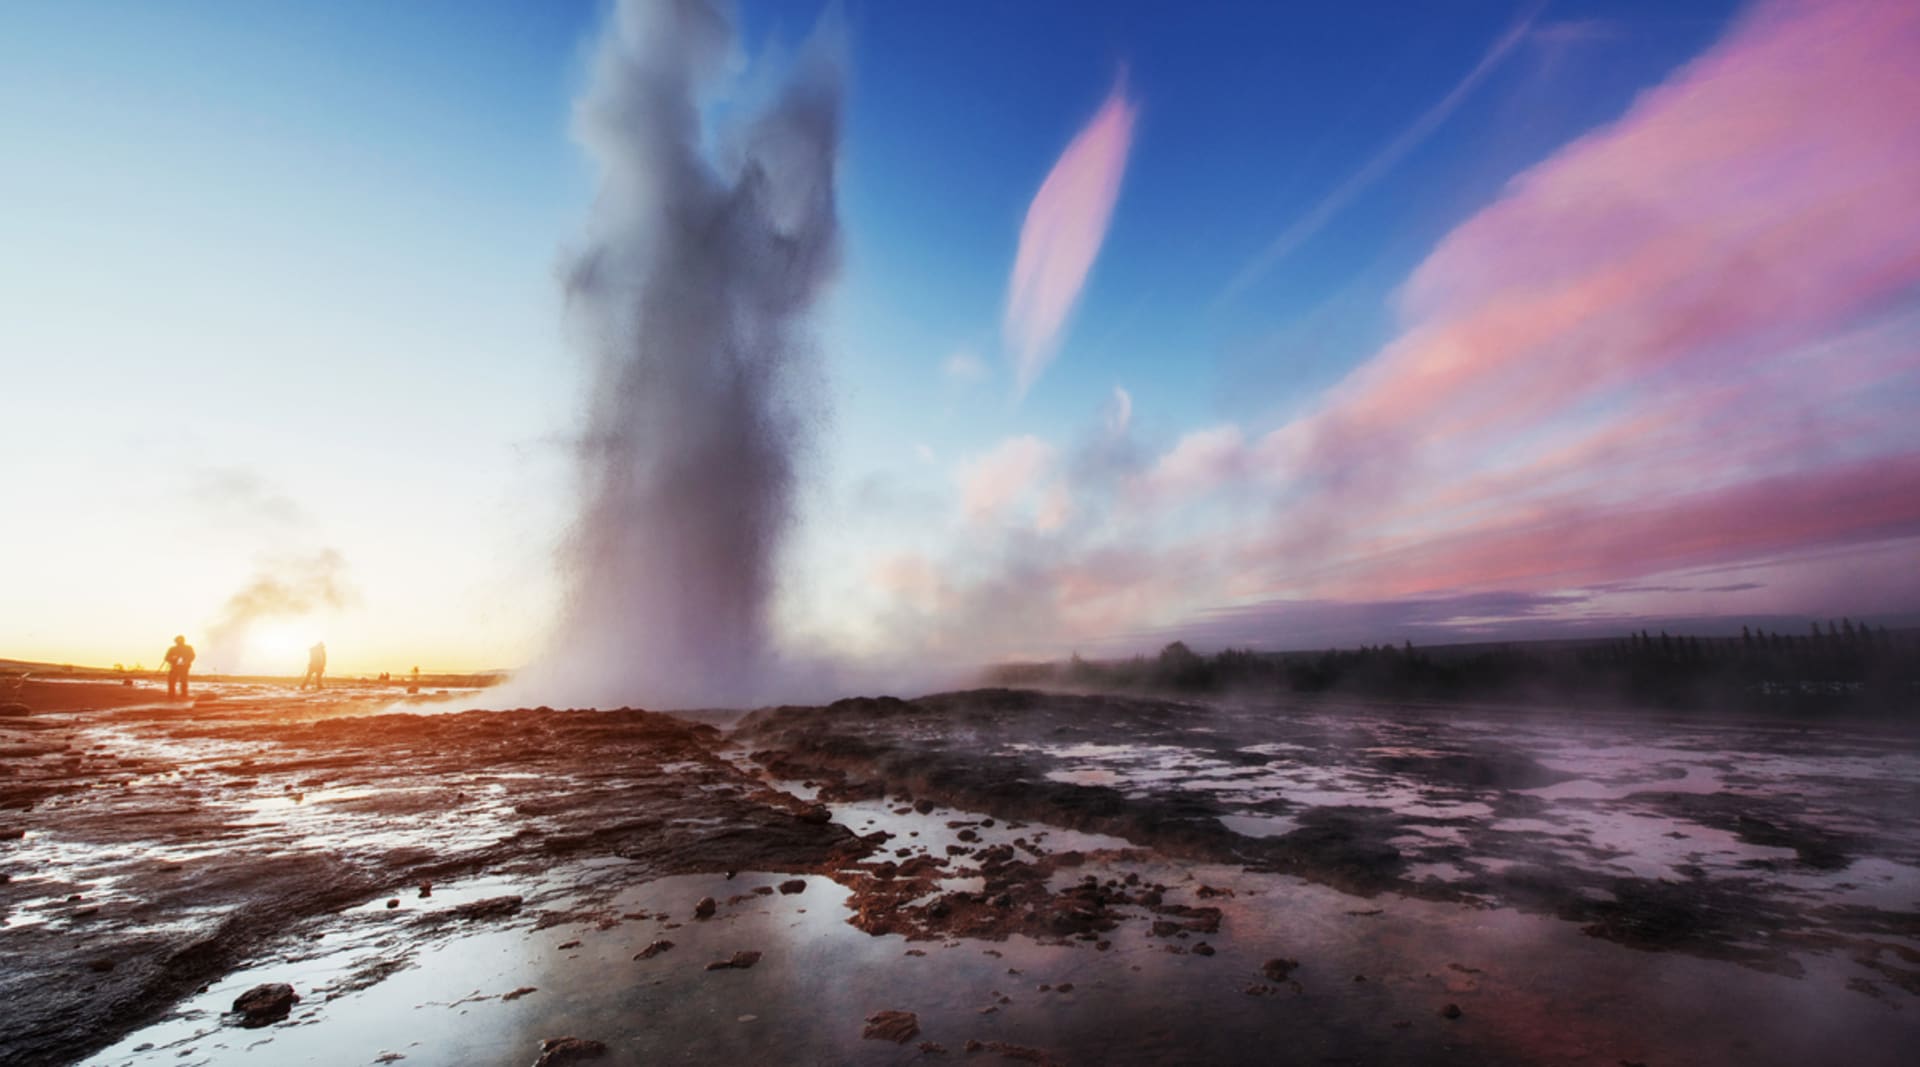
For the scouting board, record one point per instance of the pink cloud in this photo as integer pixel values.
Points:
(1199, 461)
(997, 480)
(1762, 195)
(1065, 226)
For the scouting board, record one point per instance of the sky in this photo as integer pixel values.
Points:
(1270, 325)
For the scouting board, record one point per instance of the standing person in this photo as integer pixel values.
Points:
(316, 664)
(178, 658)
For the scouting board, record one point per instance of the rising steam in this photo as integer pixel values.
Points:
(690, 293)
(285, 589)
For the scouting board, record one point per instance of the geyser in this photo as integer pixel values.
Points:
(705, 251)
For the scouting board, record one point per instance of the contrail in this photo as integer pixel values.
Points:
(1377, 167)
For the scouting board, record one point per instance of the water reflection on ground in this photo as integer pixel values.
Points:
(1623, 889)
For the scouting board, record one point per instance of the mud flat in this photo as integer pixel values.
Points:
(979, 877)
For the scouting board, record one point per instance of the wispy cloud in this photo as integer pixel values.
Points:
(990, 484)
(1383, 161)
(242, 494)
(1061, 238)
(963, 365)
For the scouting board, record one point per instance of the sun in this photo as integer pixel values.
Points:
(276, 642)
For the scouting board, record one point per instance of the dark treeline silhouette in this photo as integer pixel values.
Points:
(1838, 666)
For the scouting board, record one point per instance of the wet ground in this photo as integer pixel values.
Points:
(990, 877)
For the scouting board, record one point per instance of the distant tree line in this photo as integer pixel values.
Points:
(1836, 667)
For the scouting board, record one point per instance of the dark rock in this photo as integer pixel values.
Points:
(705, 908)
(14, 710)
(739, 961)
(897, 1026)
(557, 1051)
(265, 1003)
(1277, 969)
(520, 992)
(393, 902)
(923, 806)
(1451, 1011)
(793, 885)
(653, 950)
(817, 815)
(1203, 949)
(490, 908)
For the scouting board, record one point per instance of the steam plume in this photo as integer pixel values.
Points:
(285, 590)
(690, 293)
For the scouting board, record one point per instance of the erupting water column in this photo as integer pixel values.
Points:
(701, 262)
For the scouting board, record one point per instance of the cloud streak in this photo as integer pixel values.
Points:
(1376, 167)
(1061, 237)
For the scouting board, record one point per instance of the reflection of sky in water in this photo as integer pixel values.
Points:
(1606, 816)
(1534, 989)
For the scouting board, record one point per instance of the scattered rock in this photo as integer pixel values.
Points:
(265, 1003)
(1203, 949)
(518, 993)
(896, 1026)
(1277, 969)
(1017, 1052)
(1063, 987)
(393, 902)
(932, 1048)
(793, 885)
(556, 1051)
(1451, 1011)
(739, 961)
(653, 950)
(565, 945)
(426, 890)
(923, 806)
(705, 909)
(489, 908)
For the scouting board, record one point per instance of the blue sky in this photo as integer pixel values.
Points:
(280, 279)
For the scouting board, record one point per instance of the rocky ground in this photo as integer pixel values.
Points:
(151, 848)
(995, 876)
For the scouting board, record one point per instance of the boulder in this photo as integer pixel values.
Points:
(265, 1003)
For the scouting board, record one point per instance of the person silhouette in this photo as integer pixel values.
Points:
(316, 664)
(179, 659)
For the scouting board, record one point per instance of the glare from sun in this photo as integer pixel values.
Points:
(278, 646)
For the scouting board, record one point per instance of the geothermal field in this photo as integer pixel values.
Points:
(991, 875)
(948, 532)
